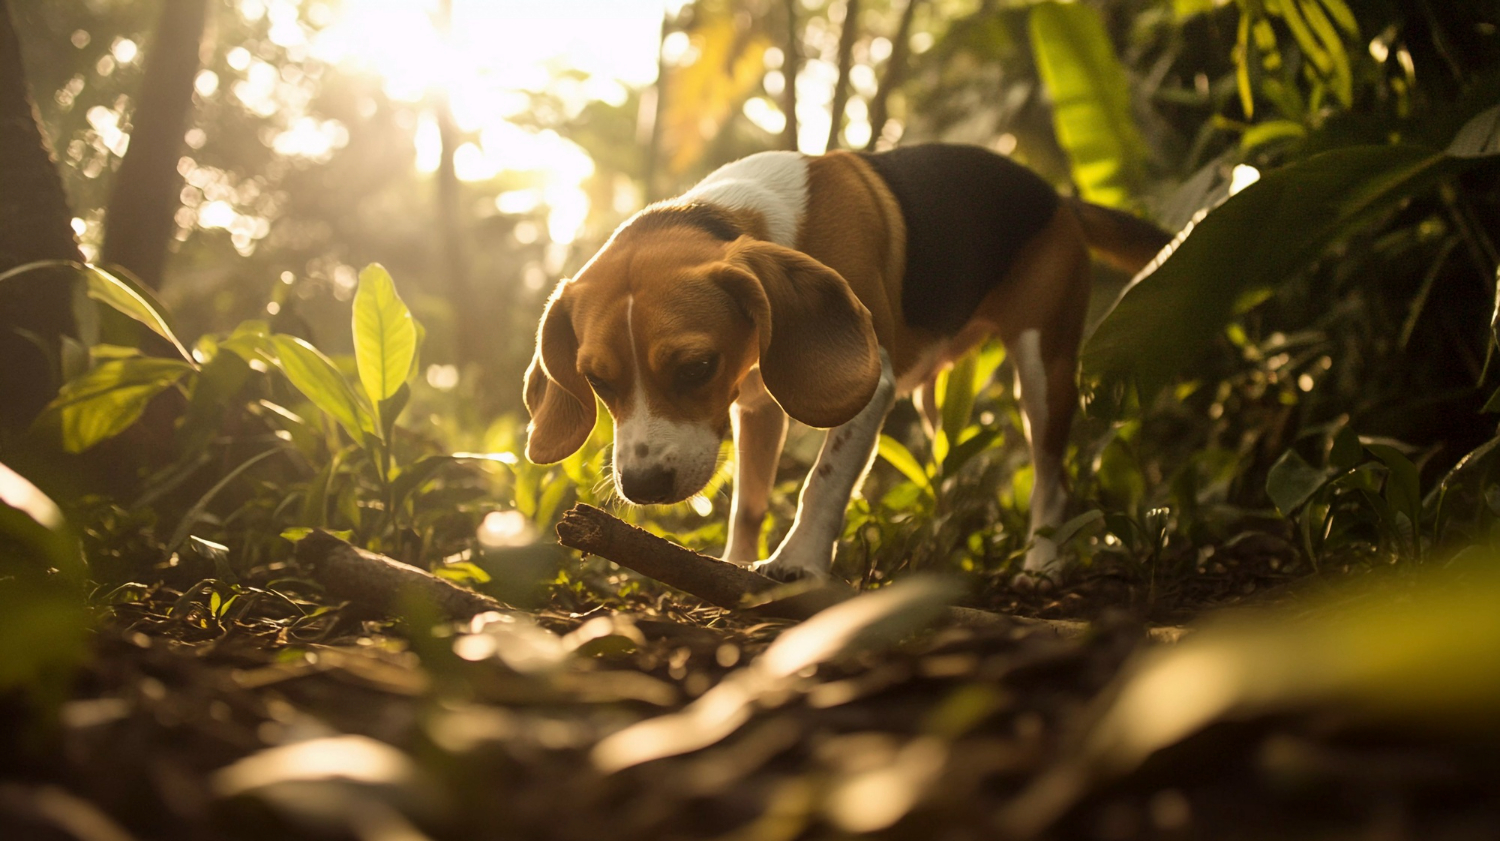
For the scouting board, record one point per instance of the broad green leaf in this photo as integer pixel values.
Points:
(1090, 101)
(1292, 482)
(900, 457)
(315, 376)
(1412, 657)
(1246, 247)
(385, 337)
(106, 400)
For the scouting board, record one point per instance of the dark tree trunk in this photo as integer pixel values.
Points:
(789, 68)
(35, 224)
(895, 72)
(139, 222)
(847, 36)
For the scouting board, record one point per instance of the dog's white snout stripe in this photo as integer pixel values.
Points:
(647, 442)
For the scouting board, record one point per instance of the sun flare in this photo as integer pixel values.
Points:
(494, 54)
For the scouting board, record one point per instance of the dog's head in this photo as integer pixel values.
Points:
(663, 325)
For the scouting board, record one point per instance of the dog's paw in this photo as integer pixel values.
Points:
(1032, 582)
(794, 567)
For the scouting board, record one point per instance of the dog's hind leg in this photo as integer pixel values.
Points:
(846, 456)
(1049, 395)
(759, 432)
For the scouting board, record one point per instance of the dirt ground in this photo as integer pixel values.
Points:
(656, 717)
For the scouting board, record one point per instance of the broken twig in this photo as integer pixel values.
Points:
(372, 580)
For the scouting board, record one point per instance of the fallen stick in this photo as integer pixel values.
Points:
(717, 582)
(373, 581)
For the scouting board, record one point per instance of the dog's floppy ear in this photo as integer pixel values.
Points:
(557, 396)
(818, 354)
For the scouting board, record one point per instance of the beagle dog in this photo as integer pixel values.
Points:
(820, 288)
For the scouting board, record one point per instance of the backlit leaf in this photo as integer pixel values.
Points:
(1091, 107)
(133, 301)
(315, 376)
(899, 457)
(385, 336)
(106, 400)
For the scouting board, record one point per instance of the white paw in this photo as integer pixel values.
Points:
(784, 565)
(1042, 557)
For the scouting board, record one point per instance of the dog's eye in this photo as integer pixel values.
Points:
(697, 372)
(601, 387)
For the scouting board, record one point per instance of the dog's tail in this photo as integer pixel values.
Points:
(1126, 242)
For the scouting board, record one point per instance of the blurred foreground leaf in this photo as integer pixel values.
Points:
(1419, 658)
(870, 621)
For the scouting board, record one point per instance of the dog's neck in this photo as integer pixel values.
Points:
(770, 185)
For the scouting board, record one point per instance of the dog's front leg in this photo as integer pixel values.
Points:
(847, 453)
(759, 432)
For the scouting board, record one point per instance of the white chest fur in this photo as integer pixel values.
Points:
(773, 184)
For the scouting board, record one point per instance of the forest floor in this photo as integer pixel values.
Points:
(653, 716)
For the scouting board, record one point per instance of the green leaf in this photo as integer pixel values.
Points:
(1069, 530)
(972, 446)
(1252, 243)
(1480, 136)
(1292, 482)
(1269, 131)
(899, 457)
(133, 301)
(1120, 474)
(1346, 451)
(1402, 487)
(385, 337)
(957, 396)
(1091, 101)
(1184, 9)
(319, 380)
(106, 400)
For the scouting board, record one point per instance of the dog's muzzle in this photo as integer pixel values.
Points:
(649, 485)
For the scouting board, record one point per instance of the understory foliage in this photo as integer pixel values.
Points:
(1302, 388)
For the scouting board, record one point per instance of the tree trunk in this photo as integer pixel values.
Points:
(35, 224)
(789, 68)
(895, 72)
(139, 222)
(847, 37)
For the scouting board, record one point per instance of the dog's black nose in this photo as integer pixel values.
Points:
(648, 485)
